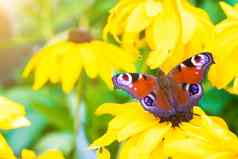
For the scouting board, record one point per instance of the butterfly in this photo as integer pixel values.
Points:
(170, 97)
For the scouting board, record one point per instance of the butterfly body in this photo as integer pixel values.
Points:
(170, 97)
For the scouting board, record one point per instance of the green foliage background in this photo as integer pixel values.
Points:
(67, 121)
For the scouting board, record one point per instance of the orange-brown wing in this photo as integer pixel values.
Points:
(193, 69)
(151, 95)
(186, 96)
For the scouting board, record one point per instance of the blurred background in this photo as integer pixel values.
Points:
(62, 120)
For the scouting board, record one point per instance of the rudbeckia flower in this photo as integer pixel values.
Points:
(144, 137)
(63, 62)
(173, 30)
(12, 115)
(49, 154)
(226, 51)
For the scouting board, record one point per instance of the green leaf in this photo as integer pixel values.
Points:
(45, 108)
(49, 102)
(64, 141)
(213, 101)
(213, 9)
(22, 138)
(232, 1)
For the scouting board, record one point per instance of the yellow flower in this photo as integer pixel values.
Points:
(143, 137)
(173, 30)
(102, 153)
(226, 51)
(49, 154)
(12, 115)
(63, 61)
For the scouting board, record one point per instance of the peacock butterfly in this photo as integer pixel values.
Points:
(171, 97)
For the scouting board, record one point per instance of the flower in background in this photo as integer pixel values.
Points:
(173, 30)
(143, 137)
(12, 115)
(49, 154)
(226, 51)
(63, 61)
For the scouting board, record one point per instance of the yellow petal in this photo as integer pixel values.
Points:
(32, 64)
(156, 58)
(43, 70)
(129, 40)
(12, 115)
(137, 20)
(229, 10)
(41, 73)
(51, 154)
(222, 155)
(89, 60)
(158, 152)
(142, 16)
(233, 89)
(55, 67)
(5, 150)
(187, 148)
(28, 154)
(108, 62)
(116, 109)
(153, 8)
(106, 73)
(120, 59)
(71, 69)
(103, 153)
(186, 16)
(148, 141)
(116, 20)
(104, 140)
(134, 127)
(199, 39)
(127, 146)
(158, 36)
(205, 129)
(236, 7)
(219, 121)
(126, 118)
(224, 52)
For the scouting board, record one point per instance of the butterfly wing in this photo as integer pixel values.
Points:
(188, 77)
(193, 69)
(146, 88)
